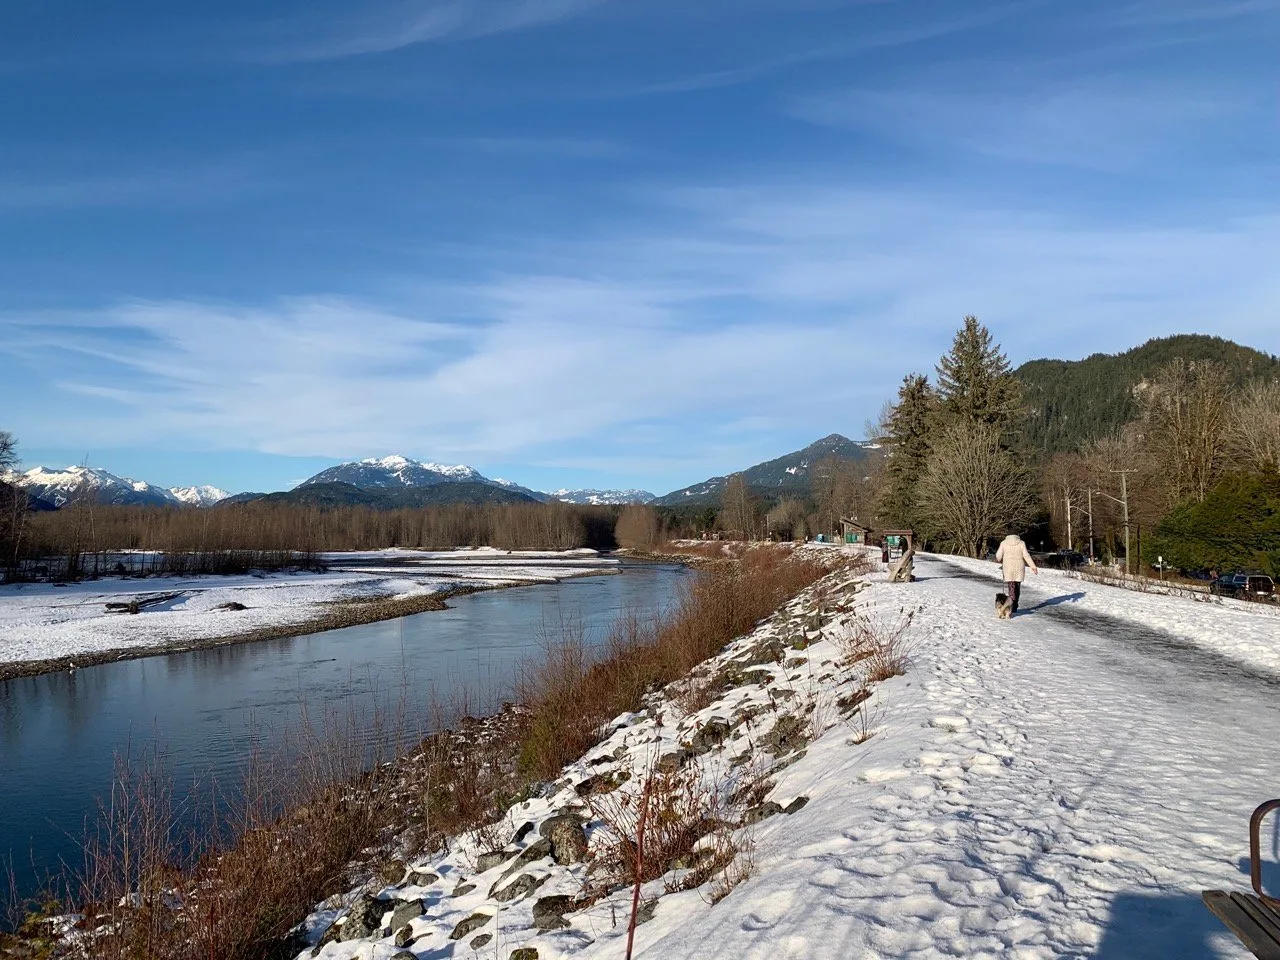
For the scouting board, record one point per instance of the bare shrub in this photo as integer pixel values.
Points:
(571, 693)
(885, 648)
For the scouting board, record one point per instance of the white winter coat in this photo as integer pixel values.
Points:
(1014, 557)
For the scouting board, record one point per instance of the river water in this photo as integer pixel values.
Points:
(206, 711)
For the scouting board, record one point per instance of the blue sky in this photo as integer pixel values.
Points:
(599, 242)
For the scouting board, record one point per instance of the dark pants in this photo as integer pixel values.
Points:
(1014, 589)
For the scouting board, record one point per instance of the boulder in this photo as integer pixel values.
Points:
(762, 812)
(481, 941)
(404, 936)
(494, 858)
(567, 838)
(548, 912)
(526, 828)
(406, 910)
(462, 889)
(532, 853)
(797, 804)
(521, 886)
(524, 953)
(470, 925)
(709, 736)
(364, 918)
(423, 878)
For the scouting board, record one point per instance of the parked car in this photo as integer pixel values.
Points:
(1245, 586)
(1065, 559)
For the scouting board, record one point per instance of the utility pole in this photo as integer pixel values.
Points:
(1092, 556)
(1071, 543)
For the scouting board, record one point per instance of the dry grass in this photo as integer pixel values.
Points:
(572, 693)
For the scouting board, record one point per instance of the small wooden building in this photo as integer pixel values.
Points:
(851, 531)
(896, 542)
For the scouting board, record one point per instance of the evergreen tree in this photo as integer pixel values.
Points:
(905, 430)
(975, 382)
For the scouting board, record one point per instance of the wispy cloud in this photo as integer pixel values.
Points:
(1112, 121)
(760, 304)
(148, 185)
(842, 49)
(382, 27)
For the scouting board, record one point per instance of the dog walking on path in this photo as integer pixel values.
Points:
(1014, 558)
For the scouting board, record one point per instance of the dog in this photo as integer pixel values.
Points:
(1004, 606)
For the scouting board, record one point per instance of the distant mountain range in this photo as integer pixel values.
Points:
(398, 481)
(74, 484)
(602, 498)
(787, 476)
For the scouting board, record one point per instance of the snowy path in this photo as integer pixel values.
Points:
(1059, 785)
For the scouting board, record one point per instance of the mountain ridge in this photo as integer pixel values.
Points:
(1073, 402)
(786, 476)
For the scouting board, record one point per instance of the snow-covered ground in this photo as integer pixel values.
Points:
(48, 621)
(1063, 784)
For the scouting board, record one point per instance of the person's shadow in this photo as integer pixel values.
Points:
(1053, 602)
(1165, 926)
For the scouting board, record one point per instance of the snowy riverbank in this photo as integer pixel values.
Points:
(51, 624)
(1062, 784)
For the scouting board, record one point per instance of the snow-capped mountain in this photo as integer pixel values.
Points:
(379, 473)
(602, 498)
(61, 487)
(204, 496)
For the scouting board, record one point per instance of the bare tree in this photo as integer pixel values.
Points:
(973, 488)
(1255, 428)
(638, 528)
(1186, 411)
(738, 508)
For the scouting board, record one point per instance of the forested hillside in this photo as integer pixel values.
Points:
(1073, 402)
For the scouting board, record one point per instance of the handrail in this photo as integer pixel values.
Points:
(1255, 849)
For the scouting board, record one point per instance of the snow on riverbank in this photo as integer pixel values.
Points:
(1063, 784)
(52, 622)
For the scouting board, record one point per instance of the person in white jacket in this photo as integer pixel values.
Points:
(1014, 559)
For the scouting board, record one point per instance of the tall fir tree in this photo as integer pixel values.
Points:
(975, 382)
(906, 431)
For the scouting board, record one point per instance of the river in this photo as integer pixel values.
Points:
(207, 711)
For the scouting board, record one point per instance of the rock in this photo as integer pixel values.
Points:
(405, 911)
(404, 936)
(567, 838)
(646, 911)
(392, 871)
(423, 878)
(671, 762)
(797, 804)
(524, 953)
(462, 889)
(525, 829)
(403, 955)
(762, 812)
(521, 886)
(786, 735)
(709, 736)
(548, 912)
(364, 918)
(494, 858)
(470, 925)
(481, 941)
(602, 783)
